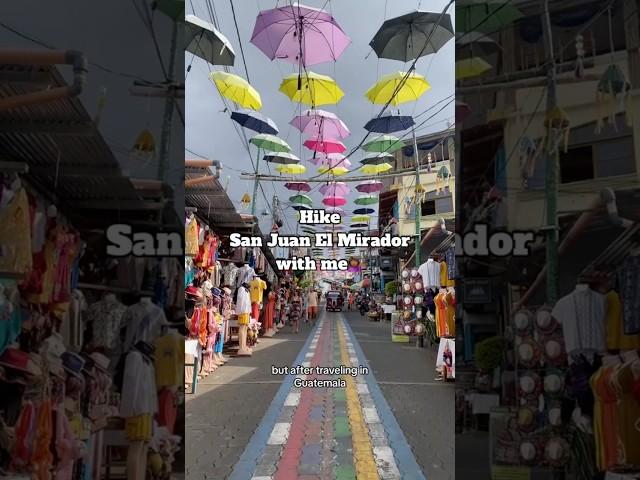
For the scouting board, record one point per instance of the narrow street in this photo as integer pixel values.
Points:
(395, 422)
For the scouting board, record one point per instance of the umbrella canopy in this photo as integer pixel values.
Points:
(322, 145)
(389, 124)
(336, 171)
(361, 219)
(383, 143)
(299, 34)
(292, 169)
(236, 89)
(362, 211)
(338, 189)
(359, 226)
(283, 158)
(255, 121)
(388, 89)
(366, 200)
(204, 41)
(476, 43)
(412, 35)
(331, 160)
(303, 199)
(376, 158)
(300, 206)
(312, 89)
(334, 201)
(376, 169)
(334, 227)
(370, 186)
(270, 143)
(320, 123)
(298, 186)
(471, 67)
(485, 16)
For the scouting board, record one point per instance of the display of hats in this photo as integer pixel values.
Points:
(419, 313)
(216, 292)
(73, 363)
(407, 328)
(554, 350)
(419, 328)
(553, 382)
(405, 274)
(101, 361)
(556, 451)
(530, 385)
(418, 286)
(522, 320)
(226, 290)
(16, 359)
(406, 287)
(544, 322)
(414, 273)
(406, 314)
(89, 365)
(554, 416)
(526, 419)
(418, 299)
(407, 300)
(193, 292)
(207, 287)
(529, 451)
(528, 352)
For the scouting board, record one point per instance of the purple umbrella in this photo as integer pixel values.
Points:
(299, 34)
(331, 160)
(298, 186)
(370, 186)
(335, 189)
(320, 123)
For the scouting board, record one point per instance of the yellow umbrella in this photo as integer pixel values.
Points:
(360, 218)
(384, 89)
(293, 169)
(471, 67)
(314, 90)
(375, 169)
(337, 171)
(236, 89)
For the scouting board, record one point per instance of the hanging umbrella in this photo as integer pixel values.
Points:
(475, 43)
(298, 186)
(383, 143)
(291, 169)
(314, 89)
(376, 169)
(300, 206)
(389, 124)
(376, 158)
(332, 160)
(283, 158)
(411, 36)
(270, 143)
(388, 89)
(363, 211)
(334, 201)
(485, 16)
(336, 171)
(339, 189)
(463, 110)
(207, 43)
(366, 200)
(334, 227)
(471, 67)
(361, 219)
(299, 34)
(359, 226)
(370, 186)
(328, 145)
(304, 199)
(254, 121)
(334, 209)
(236, 89)
(320, 123)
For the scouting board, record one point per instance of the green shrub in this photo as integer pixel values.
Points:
(488, 353)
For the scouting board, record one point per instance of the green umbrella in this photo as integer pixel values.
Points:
(270, 143)
(485, 16)
(383, 143)
(300, 198)
(376, 158)
(366, 200)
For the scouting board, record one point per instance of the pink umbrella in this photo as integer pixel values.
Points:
(370, 186)
(334, 201)
(332, 160)
(299, 34)
(338, 189)
(322, 145)
(320, 123)
(298, 186)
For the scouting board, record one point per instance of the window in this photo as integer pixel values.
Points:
(437, 204)
(608, 158)
(428, 207)
(576, 164)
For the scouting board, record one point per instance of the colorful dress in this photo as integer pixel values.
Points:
(295, 312)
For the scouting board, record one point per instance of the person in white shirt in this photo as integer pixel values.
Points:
(312, 304)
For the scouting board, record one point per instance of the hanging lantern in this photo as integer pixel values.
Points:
(145, 146)
(558, 122)
(612, 93)
(419, 194)
(245, 200)
(442, 178)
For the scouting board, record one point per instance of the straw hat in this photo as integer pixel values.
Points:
(522, 320)
(530, 385)
(528, 352)
(556, 450)
(554, 382)
(526, 419)
(544, 322)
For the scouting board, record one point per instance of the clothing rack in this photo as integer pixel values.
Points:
(112, 289)
(619, 249)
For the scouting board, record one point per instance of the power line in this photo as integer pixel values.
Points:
(235, 22)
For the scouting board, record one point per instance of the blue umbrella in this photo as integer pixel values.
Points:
(254, 121)
(389, 124)
(363, 211)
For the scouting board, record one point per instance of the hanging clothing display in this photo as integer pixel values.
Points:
(430, 272)
(628, 276)
(142, 321)
(243, 305)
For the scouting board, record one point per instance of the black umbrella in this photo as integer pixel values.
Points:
(204, 41)
(413, 35)
(389, 124)
(255, 121)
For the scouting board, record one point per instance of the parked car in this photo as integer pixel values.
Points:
(334, 301)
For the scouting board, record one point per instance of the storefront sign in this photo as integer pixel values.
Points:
(123, 241)
(477, 290)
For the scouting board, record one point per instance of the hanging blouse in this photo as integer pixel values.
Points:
(106, 318)
(15, 235)
(243, 302)
(430, 271)
(450, 257)
(139, 394)
(445, 281)
(616, 338)
(191, 237)
(628, 276)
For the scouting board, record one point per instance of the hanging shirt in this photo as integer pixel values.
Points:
(243, 302)
(444, 276)
(430, 272)
(450, 257)
(169, 360)
(15, 235)
(245, 274)
(139, 394)
(230, 274)
(582, 314)
(257, 286)
(105, 316)
(143, 321)
(616, 339)
(628, 277)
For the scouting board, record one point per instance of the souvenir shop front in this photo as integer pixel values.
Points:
(570, 405)
(90, 347)
(427, 302)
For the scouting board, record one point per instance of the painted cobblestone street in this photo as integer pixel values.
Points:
(348, 432)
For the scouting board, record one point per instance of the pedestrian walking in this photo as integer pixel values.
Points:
(312, 304)
(295, 311)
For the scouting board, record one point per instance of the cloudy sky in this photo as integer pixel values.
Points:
(209, 130)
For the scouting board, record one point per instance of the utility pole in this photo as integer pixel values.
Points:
(418, 206)
(551, 163)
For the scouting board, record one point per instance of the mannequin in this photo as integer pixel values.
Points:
(243, 310)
